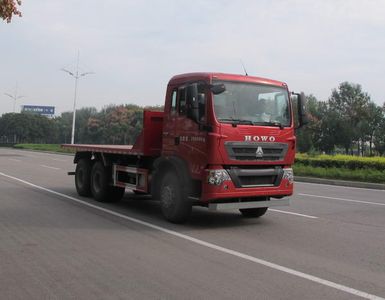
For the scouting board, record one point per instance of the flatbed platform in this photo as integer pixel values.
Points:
(148, 143)
(115, 149)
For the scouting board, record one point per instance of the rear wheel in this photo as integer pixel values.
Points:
(83, 177)
(174, 201)
(253, 212)
(101, 189)
(116, 193)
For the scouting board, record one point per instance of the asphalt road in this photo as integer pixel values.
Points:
(329, 244)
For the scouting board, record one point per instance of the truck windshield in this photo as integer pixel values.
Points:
(252, 104)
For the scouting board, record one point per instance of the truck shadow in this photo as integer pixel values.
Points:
(149, 210)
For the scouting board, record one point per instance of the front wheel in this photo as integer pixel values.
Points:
(175, 205)
(253, 212)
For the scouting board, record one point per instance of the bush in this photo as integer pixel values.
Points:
(365, 175)
(341, 161)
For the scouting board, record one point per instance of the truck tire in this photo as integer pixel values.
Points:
(116, 193)
(175, 205)
(83, 177)
(100, 186)
(253, 212)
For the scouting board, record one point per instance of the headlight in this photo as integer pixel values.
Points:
(217, 177)
(289, 175)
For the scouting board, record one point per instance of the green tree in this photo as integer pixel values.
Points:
(64, 125)
(82, 117)
(369, 124)
(379, 134)
(350, 103)
(95, 130)
(332, 132)
(121, 124)
(27, 128)
(308, 135)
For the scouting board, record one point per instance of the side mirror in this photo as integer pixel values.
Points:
(192, 103)
(302, 116)
(217, 89)
(195, 109)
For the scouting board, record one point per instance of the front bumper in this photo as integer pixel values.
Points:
(238, 187)
(250, 204)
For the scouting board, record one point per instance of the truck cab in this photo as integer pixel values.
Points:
(236, 135)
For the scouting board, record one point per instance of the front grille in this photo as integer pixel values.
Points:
(254, 151)
(256, 177)
(257, 180)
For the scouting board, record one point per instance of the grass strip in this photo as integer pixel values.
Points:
(43, 147)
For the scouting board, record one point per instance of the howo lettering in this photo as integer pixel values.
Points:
(256, 138)
(223, 142)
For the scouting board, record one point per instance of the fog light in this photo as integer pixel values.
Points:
(288, 174)
(217, 177)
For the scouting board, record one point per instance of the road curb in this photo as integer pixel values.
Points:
(357, 184)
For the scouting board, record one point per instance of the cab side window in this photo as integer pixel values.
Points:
(182, 101)
(202, 102)
(191, 101)
(173, 101)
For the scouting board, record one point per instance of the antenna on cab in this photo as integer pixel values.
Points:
(243, 66)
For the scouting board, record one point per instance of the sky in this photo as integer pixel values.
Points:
(134, 47)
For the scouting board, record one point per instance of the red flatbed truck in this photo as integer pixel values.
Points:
(223, 141)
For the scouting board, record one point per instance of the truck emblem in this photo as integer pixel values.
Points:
(259, 152)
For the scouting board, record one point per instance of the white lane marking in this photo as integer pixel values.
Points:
(293, 213)
(49, 167)
(341, 186)
(256, 260)
(14, 159)
(343, 199)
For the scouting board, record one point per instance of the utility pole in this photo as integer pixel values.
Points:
(76, 75)
(14, 97)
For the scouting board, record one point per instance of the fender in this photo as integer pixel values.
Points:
(168, 163)
(80, 155)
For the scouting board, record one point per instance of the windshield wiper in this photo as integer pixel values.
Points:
(235, 122)
(274, 123)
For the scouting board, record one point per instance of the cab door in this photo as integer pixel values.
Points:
(188, 138)
(169, 121)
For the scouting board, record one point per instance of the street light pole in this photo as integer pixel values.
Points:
(76, 75)
(14, 97)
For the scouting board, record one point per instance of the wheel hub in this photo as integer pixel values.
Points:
(167, 195)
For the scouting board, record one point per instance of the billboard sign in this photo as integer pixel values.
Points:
(38, 109)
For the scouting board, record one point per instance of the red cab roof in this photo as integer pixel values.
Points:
(182, 78)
